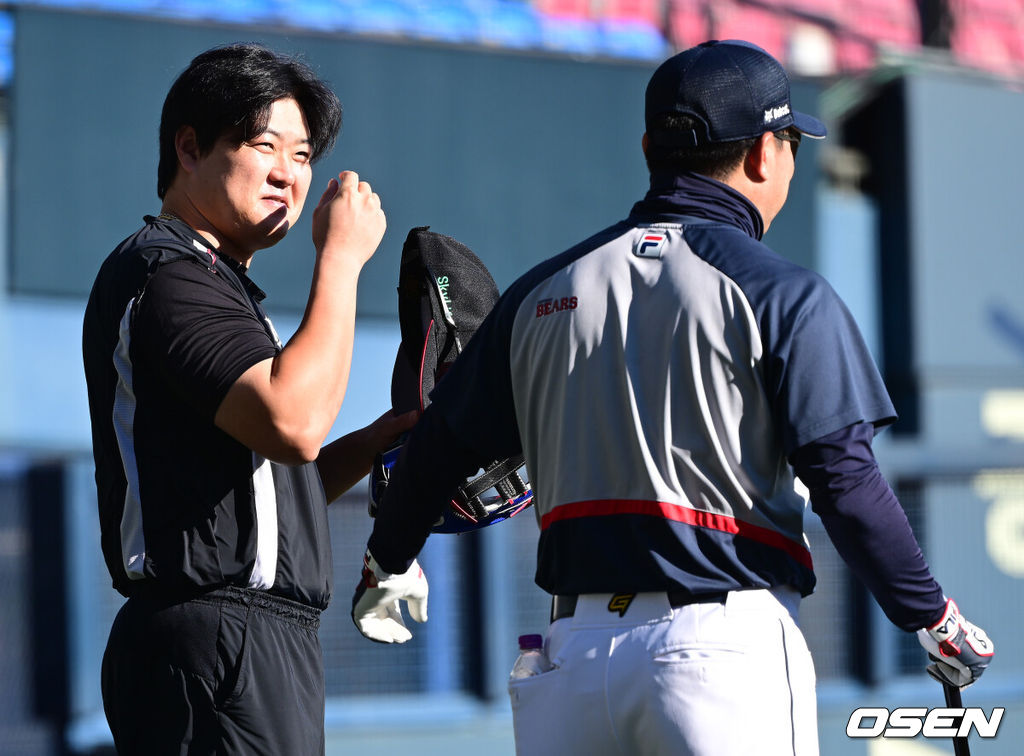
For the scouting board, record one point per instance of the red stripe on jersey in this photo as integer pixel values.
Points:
(677, 513)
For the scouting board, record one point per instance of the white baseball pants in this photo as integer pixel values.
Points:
(711, 679)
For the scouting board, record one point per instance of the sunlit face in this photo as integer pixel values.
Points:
(251, 194)
(784, 167)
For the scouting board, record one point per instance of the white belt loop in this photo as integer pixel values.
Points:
(784, 596)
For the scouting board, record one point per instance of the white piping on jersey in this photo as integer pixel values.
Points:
(133, 541)
(264, 569)
(272, 331)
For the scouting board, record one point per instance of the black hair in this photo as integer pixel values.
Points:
(228, 91)
(713, 159)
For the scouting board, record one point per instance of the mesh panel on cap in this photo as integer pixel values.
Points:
(728, 85)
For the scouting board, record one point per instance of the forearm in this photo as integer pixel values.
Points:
(284, 407)
(344, 462)
(870, 530)
(881, 550)
(309, 377)
(868, 527)
(432, 464)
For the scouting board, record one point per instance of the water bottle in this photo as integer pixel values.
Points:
(532, 659)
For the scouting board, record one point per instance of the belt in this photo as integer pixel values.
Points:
(563, 606)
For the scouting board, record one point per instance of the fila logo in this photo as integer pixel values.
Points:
(650, 244)
(620, 603)
(553, 305)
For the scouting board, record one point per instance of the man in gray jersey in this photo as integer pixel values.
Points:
(207, 431)
(665, 379)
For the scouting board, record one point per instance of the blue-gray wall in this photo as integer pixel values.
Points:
(518, 156)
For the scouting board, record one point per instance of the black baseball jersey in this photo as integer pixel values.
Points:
(169, 327)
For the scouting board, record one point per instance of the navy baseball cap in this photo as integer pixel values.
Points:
(734, 88)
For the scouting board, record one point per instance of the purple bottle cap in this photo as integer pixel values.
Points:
(533, 640)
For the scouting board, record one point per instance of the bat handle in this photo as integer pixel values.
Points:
(953, 701)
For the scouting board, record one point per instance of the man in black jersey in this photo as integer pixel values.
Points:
(207, 431)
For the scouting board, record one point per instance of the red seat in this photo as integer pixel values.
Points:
(854, 53)
(762, 27)
(987, 45)
(891, 22)
(821, 8)
(563, 8)
(649, 12)
(987, 10)
(687, 23)
(1015, 34)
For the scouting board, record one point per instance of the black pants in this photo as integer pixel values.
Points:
(231, 672)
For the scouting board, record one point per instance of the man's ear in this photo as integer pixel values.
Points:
(187, 146)
(759, 160)
(643, 143)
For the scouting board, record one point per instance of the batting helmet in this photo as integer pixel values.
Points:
(444, 293)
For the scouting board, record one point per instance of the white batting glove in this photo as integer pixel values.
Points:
(375, 608)
(960, 650)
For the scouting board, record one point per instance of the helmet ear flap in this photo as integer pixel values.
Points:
(496, 493)
(444, 293)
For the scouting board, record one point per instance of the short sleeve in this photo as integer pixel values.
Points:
(198, 333)
(818, 368)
